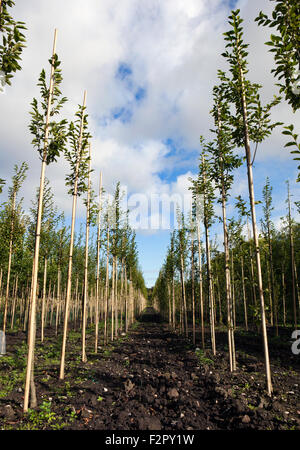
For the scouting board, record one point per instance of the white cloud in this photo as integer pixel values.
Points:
(173, 50)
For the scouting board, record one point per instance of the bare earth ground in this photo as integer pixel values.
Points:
(152, 379)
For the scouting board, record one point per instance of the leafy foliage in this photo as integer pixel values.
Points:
(239, 90)
(13, 41)
(49, 138)
(285, 45)
(289, 131)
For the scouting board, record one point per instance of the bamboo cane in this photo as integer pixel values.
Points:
(30, 358)
(98, 267)
(69, 280)
(85, 295)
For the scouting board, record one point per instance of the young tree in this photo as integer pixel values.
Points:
(182, 248)
(268, 231)
(197, 213)
(86, 258)
(76, 180)
(49, 139)
(13, 227)
(48, 223)
(251, 122)
(292, 254)
(98, 264)
(192, 235)
(170, 273)
(223, 163)
(203, 186)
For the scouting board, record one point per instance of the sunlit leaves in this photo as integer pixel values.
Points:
(13, 42)
(240, 91)
(77, 155)
(49, 137)
(285, 45)
(223, 160)
(289, 131)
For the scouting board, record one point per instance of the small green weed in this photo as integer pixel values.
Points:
(203, 359)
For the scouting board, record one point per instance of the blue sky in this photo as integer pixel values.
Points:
(149, 68)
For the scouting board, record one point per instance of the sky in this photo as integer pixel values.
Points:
(149, 67)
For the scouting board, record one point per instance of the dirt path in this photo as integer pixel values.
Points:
(151, 382)
(153, 379)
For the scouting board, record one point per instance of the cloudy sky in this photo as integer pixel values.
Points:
(149, 67)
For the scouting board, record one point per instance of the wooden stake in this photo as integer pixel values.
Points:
(98, 267)
(85, 294)
(69, 281)
(30, 358)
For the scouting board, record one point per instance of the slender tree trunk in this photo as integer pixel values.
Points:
(219, 300)
(283, 297)
(69, 279)
(292, 253)
(193, 293)
(113, 299)
(173, 304)
(43, 300)
(229, 298)
(116, 300)
(270, 292)
(185, 324)
(14, 303)
(201, 288)
(106, 288)
(244, 294)
(233, 291)
(253, 282)
(122, 294)
(126, 300)
(98, 268)
(210, 294)
(272, 281)
(1, 275)
(169, 304)
(296, 285)
(86, 261)
(9, 262)
(255, 234)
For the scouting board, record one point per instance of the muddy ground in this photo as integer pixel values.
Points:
(152, 379)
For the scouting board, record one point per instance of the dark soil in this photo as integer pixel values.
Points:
(153, 379)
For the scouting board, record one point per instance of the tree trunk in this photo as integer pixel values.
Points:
(98, 268)
(106, 289)
(69, 279)
(210, 294)
(43, 300)
(113, 299)
(86, 261)
(292, 255)
(193, 293)
(255, 234)
(9, 262)
(201, 288)
(229, 298)
(15, 295)
(244, 294)
(185, 324)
